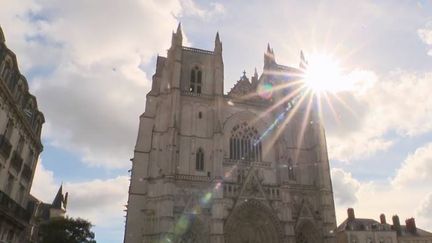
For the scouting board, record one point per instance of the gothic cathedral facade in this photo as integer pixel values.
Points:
(247, 166)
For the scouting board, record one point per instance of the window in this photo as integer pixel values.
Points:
(20, 145)
(20, 196)
(290, 170)
(9, 184)
(7, 71)
(245, 143)
(195, 80)
(9, 129)
(30, 157)
(10, 235)
(199, 160)
(200, 115)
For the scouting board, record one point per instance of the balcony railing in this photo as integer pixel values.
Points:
(13, 209)
(192, 177)
(5, 146)
(234, 189)
(16, 161)
(231, 162)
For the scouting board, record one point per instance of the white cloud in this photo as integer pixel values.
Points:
(416, 169)
(345, 187)
(425, 35)
(89, 82)
(44, 186)
(399, 102)
(408, 194)
(424, 210)
(190, 8)
(100, 201)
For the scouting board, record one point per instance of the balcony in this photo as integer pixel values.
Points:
(12, 209)
(26, 173)
(5, 146)
(16, 161)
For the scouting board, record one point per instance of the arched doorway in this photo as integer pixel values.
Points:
(307, 233)
(252, 222)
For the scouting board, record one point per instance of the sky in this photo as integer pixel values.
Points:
(89, 63)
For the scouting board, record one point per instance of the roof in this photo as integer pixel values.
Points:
(420, 232)
(360, 224)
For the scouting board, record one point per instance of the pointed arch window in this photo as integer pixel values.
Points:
(291, 175)
(195, 80)
(245, 143)
(199, 160)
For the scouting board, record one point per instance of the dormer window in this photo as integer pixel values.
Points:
(195, 80)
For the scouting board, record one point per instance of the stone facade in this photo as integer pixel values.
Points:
(20, 146)
(247, 166)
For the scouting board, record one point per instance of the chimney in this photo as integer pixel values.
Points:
(396, 224)
(383, 219)
(411, 226)
(351, 215)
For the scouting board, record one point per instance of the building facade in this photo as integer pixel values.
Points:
(247, 166)
(20, 146)
(363, 230)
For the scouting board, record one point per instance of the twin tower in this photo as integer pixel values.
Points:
(247, 166)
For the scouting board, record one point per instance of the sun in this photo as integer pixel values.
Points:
(323, 74)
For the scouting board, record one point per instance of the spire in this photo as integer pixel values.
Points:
(218, 44)
(255, 78)
(58, 200)
(179, 30)
(177, 37)
(269, 56)
(244, 75)
(303, 63)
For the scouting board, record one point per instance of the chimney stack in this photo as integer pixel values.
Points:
(383, 219)
(396, 224)
(351, 215)
(411, 225)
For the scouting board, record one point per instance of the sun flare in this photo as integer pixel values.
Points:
(323, 73)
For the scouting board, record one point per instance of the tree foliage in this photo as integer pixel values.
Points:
(66, 230)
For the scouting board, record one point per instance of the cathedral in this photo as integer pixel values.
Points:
(249, 166)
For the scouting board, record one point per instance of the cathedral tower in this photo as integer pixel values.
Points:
(247, 166)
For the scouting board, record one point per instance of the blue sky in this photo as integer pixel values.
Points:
(89, 63)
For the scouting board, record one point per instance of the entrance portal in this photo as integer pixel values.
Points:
(307, 233)
(252, 222)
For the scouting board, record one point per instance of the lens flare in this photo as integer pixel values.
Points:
(323, 73)
(265, 90)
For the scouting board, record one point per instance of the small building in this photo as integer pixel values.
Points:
(362, 230)
(44, 212)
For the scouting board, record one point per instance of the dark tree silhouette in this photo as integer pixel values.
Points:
(66, 230)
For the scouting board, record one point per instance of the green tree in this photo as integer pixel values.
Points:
(66, 230)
